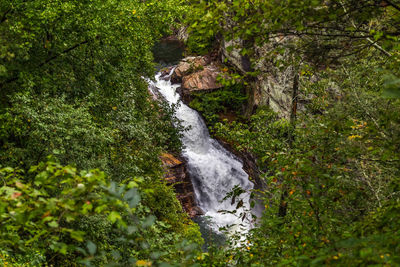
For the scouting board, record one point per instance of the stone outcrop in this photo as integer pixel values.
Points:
(196, 74)
(188, 66)
(273, 86)
(176, 175)
(205, 79)
(165, 71)
(155, 93)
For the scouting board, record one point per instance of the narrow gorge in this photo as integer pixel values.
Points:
(214, 171)
(182, 133)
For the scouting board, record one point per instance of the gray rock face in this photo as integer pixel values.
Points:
(273, 86)
(242, 63)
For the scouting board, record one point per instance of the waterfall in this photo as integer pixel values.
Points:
(214, 170)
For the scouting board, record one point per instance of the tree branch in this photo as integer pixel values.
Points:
(378, 47)
(390, 3)
(13, 79)
(4, 17)
(63, 52)
(305, 33)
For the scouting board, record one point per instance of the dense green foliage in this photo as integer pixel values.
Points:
(55, 215)
(72, 71)
(229, 100)
(71, 86)
(338, 175)
(81, 136)
(331, 171)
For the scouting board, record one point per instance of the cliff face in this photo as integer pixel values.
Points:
(176, 175)
(273, 85)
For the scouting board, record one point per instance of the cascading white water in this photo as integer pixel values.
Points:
(213, 169)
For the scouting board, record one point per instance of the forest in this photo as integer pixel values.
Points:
(272, 139)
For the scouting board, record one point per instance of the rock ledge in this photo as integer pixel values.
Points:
(196, 74)
(176, 175)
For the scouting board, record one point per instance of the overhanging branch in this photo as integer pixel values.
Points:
(63, 52)
(13, 79)
(390, 3)
(4, 17)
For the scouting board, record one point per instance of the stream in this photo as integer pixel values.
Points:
(214, 170)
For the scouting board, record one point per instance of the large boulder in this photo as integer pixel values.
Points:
(187, 66)
(205, 79)
(177, 176)
(196, 74)
(201, 81)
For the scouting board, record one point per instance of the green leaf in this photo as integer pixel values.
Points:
(391, 92)
(131, 229)
(91, 247)
(116, 255)
(391, 87)
(114, 216)
(132, 197)
(149, 221)
(53, 224)
(77, 235)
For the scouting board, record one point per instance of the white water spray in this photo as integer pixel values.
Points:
(214, 170)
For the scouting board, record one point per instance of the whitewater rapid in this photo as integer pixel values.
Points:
(214, 170)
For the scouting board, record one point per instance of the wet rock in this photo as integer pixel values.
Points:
(249, 163)
(165, 73)
(176, 175)
(155, 93)
(250, 167)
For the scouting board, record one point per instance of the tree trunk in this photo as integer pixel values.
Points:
(293, 114)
